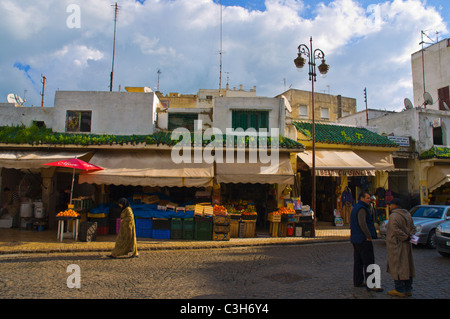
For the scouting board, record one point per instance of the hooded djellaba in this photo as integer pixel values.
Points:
(126, 239)
(399, 249)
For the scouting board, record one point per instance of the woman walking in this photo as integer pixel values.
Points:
(126, 239)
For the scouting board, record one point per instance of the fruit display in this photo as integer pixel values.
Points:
(286, 210)
(219, 210)
(68, 213)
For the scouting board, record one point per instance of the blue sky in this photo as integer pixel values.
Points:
(367, 43)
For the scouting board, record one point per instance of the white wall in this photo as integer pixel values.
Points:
(119, 113)
(224, 106)
(10, 115)
(437, 72)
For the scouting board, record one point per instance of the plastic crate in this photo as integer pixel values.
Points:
(188, 234)
(144, 227)
(161, 223)
(203, 230)
(88, 231)
(117, 225)
(176, 224)
(102, 230)
(188, 224)
(176, 234)
(161, 233)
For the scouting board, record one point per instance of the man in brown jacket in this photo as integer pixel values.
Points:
(400, 263)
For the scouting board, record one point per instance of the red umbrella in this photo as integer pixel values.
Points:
(75, 163)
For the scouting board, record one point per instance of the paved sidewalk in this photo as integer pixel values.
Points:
(13, 241)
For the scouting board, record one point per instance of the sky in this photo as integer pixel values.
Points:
(367, 43)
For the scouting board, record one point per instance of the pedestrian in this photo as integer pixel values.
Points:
(400, 262)
(126, 239)
(362, 231)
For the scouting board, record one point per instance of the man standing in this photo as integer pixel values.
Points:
(362, 231)
(400, 263)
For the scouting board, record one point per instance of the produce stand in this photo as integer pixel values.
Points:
(62, 217)
(288, 222)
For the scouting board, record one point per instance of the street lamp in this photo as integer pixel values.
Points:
(312, 56)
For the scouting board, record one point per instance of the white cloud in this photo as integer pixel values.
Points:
(365, 46)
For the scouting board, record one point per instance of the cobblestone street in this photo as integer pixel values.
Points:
(308, 271)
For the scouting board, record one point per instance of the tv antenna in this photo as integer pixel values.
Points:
(116, 11)
(159, 73)
(220, 51)
(422, 42)
(43, 81)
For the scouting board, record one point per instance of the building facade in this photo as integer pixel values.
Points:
(431, 74)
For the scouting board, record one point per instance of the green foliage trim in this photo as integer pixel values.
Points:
(42, 136)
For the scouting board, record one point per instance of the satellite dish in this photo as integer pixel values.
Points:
(408, 104)
(15, 99)
(446, 106)
(428, 99)
(287, 104)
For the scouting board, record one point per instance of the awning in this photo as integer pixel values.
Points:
(35, 159)
(146, 169)
(438, 176)
(256, 173)
(338, 163)
(382, 161)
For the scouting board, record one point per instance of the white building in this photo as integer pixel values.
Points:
(431, 73)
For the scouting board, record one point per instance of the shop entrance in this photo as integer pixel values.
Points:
(262, 196)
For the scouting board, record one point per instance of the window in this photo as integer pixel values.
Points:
(185, 120)
(303, 110)
(250, 119)
(78, 121)
(443, 95)
(324, 113)
(437, 136)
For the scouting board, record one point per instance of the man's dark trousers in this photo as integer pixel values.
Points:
(363, 256)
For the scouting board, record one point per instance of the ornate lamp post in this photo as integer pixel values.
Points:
(312, 56)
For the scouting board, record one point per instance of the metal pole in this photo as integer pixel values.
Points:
(313, 78)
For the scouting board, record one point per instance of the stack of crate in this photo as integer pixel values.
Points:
(188, 228)
(176, 228)
(203, 228)
(161, 228)
(221, 227)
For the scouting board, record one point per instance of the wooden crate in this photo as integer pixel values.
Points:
(249, 228)
(221, 236)
(234, 228)
(274, 218)
(273, 230)
(282, 229)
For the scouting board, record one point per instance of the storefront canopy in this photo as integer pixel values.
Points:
(35, 159)
(338, 163)
(147, 169)
(256, 173)
(382, 161)
(438, 176)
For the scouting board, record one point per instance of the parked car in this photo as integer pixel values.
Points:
(426, 218)
(443, 238)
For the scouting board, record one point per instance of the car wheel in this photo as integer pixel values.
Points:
(431, 242)
(444, 253)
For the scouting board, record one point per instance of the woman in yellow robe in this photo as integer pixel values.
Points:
(126, 239)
